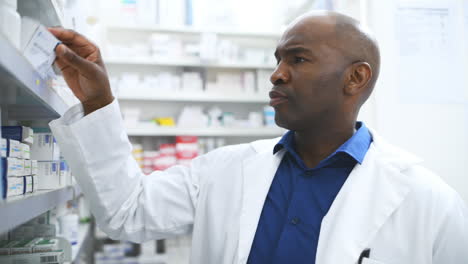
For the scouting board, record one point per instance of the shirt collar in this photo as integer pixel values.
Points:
(356, 147)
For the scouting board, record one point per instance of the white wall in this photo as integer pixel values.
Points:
(426, 113)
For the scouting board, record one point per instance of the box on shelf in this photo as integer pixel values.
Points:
(65, 174)
(34, 167)
(34, 181)
(14, 186)
(38, 46)
(186, 149)
(45, 147)
(13, 148)
(18, 133)
(25, 151)
(53, 257)
(23, 247)
(28, 184)
(46, 245)
(28, 167)
(9, 167)
(20, 167)
(48, 175)
(4, 147)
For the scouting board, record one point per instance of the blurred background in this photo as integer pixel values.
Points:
(193, 75)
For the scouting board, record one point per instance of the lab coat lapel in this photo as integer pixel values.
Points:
(258, 173)
(372, 192)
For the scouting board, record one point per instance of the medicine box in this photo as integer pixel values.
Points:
(28, 181)
(13, 148)
(65, 174)
(34, 180)
(45, 147)
(25, 151)
(9, 167)
(18, 133)
(23, 247)
(3, 147)
(46, 245)
(28, 167)
(20, 167)
(54, 257)
(48, 175)
(14, 186)
(34, 167)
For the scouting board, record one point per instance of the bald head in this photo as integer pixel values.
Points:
(344, 34)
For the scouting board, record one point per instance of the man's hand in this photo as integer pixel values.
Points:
(83, 69)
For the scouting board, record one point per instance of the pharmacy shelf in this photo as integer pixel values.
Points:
(20, 209)
(184, 63)
(198, 97)
(191, 30)
(84, 234)
(24, 95)
(48, 12)
(206, 132)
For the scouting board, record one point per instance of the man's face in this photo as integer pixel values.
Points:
(309, 77)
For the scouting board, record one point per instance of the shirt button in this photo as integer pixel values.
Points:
(295, 221)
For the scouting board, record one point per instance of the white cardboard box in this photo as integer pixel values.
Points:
(28, 167)
(29, 187)
(14, 148)
(34, 167)
(25, 151)
(3, 147)
(15, 186)
(48, 175)
(45, 147)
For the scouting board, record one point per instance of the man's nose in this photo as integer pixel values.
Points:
(280, 75)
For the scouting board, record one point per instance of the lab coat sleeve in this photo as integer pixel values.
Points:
(127, 204)
(451, 241)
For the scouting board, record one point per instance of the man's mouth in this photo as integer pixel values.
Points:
(277, 98)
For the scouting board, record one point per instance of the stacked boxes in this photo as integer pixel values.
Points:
(53, 172)
(31, 161)
(15, 150)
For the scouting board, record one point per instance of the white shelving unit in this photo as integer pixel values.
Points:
(239, 104)
(191, 30)
(184, 63)
(24, 94)
(207, 132)
(192, 97)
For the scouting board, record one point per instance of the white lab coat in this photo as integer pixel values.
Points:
(390, 204)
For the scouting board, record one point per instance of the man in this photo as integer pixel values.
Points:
(330, 191)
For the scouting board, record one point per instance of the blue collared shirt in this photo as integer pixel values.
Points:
(299, 198)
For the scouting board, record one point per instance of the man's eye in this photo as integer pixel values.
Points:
(299, 59)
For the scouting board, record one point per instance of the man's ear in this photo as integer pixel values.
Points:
(358, 76)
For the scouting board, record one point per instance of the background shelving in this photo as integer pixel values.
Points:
(194, 97)
(206, 132)
(184, 63)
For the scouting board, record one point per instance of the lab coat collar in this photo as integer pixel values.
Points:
(372, 192)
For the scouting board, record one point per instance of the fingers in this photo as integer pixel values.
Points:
(68, 36)
(68, 58)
